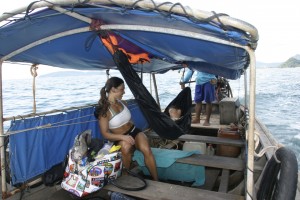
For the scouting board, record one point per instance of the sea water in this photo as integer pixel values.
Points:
(277, 96)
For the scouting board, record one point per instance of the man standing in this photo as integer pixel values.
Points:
(204, 91)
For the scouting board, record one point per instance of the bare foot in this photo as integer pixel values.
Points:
(195, 121)
(206, 123)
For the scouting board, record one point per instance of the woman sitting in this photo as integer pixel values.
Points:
(116, 125)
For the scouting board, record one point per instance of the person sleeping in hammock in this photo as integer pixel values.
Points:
(116, 125)
(175, 112)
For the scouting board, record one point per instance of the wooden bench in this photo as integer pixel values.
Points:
(210, 161)
(214, 161)
(200, 138)
(164, 191)
(225, 164)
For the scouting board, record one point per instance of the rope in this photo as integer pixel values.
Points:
(74, 118)
(107, 74)
(256, 139)
(264, 150)
(33, 74)
(53, 125)
(28, 9)
(44, 127)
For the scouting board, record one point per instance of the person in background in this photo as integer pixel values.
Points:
(204, 91)
(116, 125)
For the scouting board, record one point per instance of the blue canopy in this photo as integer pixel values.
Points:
(167, 38)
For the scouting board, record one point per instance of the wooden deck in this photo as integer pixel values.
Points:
(219, 166)
(214, 122)
(165, 191)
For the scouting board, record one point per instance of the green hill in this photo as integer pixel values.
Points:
(291, 62)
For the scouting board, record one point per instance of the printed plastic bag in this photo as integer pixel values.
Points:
(83, 178)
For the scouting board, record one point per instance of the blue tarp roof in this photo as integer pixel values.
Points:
(85, 50)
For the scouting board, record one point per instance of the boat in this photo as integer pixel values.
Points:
(152, 37)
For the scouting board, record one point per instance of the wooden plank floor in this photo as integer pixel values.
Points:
(214, 122)
(165, 191)
(224, 181)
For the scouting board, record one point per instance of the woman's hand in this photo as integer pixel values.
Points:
(129, 139)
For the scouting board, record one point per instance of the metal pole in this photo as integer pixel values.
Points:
(150, 83)
(3, 160)
(246, 89)
(155, 89)
(250, 161)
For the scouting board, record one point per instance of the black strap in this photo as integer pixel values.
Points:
(113, 182)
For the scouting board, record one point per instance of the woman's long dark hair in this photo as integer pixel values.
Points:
(103, 102)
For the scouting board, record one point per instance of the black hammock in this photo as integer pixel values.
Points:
(159, 121)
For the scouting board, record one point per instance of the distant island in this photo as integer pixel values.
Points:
(68, 73)
(291, 62)
(78, 73)
(267, 65)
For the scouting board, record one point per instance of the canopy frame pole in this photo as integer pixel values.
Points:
(150, 81)
(2, 147)
(44, 40)
(72, 14)
(246, 89)
(252, 96)
(198, 14)
(155, 89)
(121, 27)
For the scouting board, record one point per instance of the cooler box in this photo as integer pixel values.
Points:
(229, 110)
(226, 150)
(168, 169)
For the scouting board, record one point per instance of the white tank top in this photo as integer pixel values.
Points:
(119, 119)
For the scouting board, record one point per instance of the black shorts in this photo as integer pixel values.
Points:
(133, 131)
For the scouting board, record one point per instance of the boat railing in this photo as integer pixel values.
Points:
(54, 111)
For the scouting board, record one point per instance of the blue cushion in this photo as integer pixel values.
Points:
(168, 169)
(137, 116)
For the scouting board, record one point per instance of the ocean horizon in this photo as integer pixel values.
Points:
(277, 95)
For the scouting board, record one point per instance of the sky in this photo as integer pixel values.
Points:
(277, 23)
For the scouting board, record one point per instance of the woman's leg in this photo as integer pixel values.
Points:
(127, 150)
(141, 142)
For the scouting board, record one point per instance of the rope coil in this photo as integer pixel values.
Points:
(33, 71)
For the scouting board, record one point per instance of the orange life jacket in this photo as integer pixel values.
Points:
(111, 44)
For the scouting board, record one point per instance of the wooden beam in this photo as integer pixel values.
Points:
(224, 181)
(211, 175)
(214, 161)
(206, 139)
